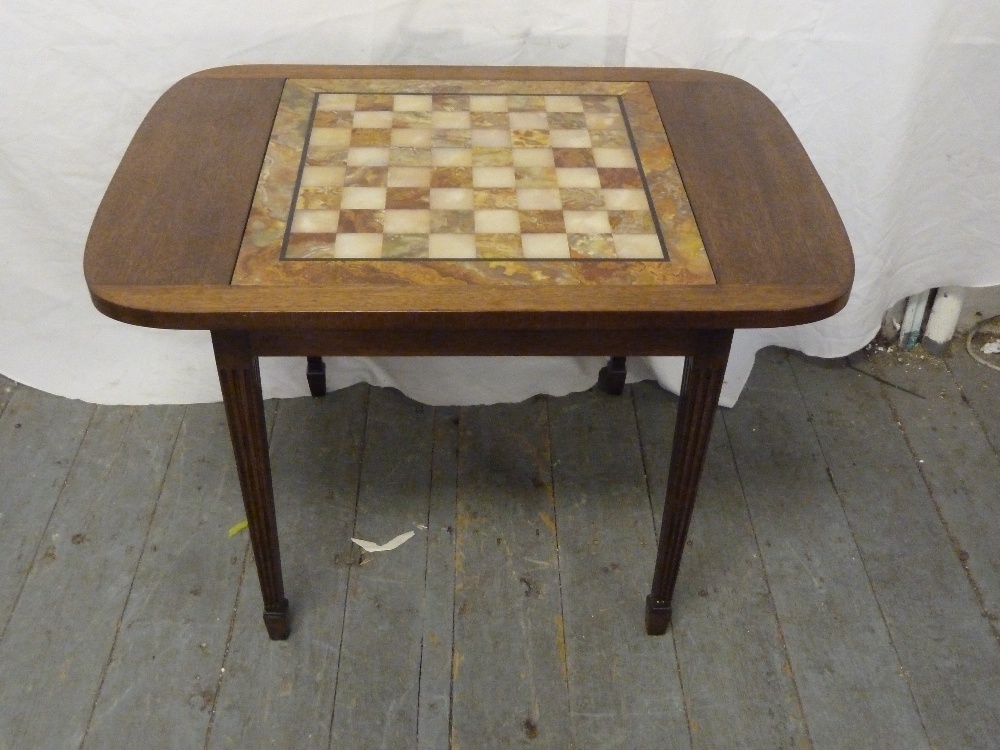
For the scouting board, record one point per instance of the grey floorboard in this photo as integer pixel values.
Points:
(378, 685)
(624, 686)
(509, 654)
(163, 675)
(958, 463)
(980, 387)
(40, 435)
(60, 636)
(281, 694)
(950, 658)
(842, 656)
(7, 387)
(434, 715)
(737, 678)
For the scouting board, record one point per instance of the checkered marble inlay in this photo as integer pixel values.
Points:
(531, 177)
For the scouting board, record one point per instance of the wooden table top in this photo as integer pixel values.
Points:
(297, 197)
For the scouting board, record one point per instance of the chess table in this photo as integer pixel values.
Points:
(319, 210)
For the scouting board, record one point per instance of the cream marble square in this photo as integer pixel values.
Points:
(497, 221)
(578, 177)
(625, 199)
(366, 156)
(570, 138)
(528, 121)
(322, 176)
(336, 137)
(407, 221)
(539, 199)
(488, 103)
(638, 246)
(604, 121)
(614, 157)
(411, 102)
(532, 157)
(563, 104)
(490, 138)
(451, 246)
(545, 245)
(363, 197)
(455, 199)
(409, 177)
(488, 177)
(316, 220)
(587, 222)
(357, 246)
(451, 157)
(447, 120)
(372, 119)
(411, 138)
(337, 102)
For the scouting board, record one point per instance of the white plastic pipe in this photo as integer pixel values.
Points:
(944, 318)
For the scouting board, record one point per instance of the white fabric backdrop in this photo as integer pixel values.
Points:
(895, 100)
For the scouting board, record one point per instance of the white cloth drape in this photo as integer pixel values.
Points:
(895, 100)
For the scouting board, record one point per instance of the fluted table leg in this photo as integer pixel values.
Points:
(700, 389)
(239, 376)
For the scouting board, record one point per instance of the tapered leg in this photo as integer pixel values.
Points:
(239, 375)
(316, 376)
(699, 398)
(611, 378)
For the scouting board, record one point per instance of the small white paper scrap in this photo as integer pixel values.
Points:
(992, 348)
(391, 544)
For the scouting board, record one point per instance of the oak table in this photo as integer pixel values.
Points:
(297, 210)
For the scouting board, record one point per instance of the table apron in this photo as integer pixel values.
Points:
(459, 342)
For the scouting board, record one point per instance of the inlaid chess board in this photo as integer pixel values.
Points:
(470, 181)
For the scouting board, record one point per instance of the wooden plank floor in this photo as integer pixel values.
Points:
(840, 587)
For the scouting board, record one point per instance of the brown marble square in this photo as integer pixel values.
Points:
(404, 246)
(450, 102)
(567, 121)
(319, 156)
(619, 177)
(591, 246)
(374, 103)
(529, 138)
(310, 245)
(451, 177)
(573, 157)
(318, 198)
(498, 246)
(445, 221)
(370, 136)
(581, 199)
(328, 119)
(631, 222)
(365, 176)
(489, 120)
(494, 198)
(407, 197)
(541, 222)
(360, 221)
(600, 104)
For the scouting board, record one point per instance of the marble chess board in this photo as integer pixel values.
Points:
(468, 171)
(462, 176)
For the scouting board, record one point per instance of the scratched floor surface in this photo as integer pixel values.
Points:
(840, 587)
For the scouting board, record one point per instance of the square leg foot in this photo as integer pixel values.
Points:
(657, 616)
(277, 622)
(316, 376)
(611, 378)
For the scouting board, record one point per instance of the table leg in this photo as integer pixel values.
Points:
(700, 389)
(611, 378)
(316, 376)
(239, 375)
